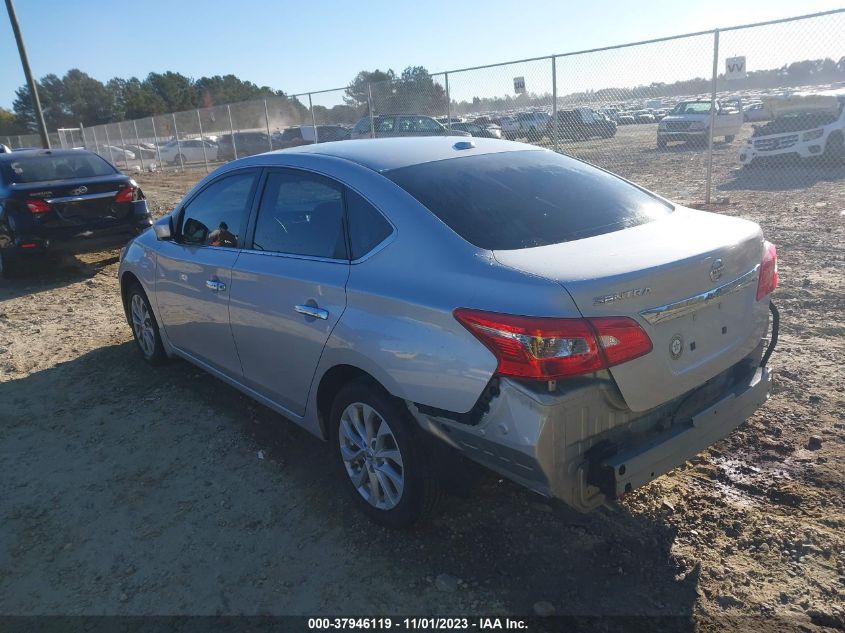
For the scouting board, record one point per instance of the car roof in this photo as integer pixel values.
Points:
(384, 154)
(17, 154)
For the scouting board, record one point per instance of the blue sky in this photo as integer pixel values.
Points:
(302, 46)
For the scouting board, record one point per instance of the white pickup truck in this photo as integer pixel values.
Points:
(689, 121)
(804, 125)
(530, 125)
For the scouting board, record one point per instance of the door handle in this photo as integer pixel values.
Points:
(317, 313)
(215, 286)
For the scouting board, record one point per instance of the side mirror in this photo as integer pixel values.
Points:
(194, 232)
(164, 228)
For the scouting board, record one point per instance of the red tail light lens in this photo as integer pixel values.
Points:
(543, 348)
(621, 339)
(127, 194)
(37, 206)
(768, 279)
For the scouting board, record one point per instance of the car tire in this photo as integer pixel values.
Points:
(729, 138)
(8, 268)
(145, 330)
(382, 455)
(834, 149)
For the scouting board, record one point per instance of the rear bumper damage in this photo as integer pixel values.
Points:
(580, 443)
(636, 465)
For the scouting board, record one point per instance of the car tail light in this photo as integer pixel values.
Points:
(37, 206)
(768, 280)
(621, 339)
(127, 194)
(543, 348)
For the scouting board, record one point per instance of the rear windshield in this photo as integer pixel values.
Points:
(45, 167)
(515, 200)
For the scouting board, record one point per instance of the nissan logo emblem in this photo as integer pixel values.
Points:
(716, 270)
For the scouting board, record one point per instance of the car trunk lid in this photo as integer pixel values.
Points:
(82, 202)
(689, 279)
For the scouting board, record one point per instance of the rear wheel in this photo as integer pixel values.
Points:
(381, 456)
(144, 326)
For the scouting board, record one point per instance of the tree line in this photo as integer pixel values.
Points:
(79, 98)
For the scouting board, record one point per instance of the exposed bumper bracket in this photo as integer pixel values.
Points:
(640, 464)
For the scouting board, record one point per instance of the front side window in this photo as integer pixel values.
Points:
(301, 214)
(385, 125)
(216, 216)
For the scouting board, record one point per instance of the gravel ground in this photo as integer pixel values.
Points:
(131, 490)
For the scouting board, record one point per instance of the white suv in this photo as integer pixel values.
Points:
(802, 125)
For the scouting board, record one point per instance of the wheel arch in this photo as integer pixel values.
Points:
(127, 279)
(331, 382)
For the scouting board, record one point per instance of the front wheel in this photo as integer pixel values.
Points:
(834, 149)
(382, 456)
(144, 326)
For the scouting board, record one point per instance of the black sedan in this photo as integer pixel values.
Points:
(65, 201)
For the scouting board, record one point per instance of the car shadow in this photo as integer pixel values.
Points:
(194, 461)
(787, 174)
(47, 273)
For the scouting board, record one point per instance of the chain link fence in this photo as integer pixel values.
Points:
(691, 117)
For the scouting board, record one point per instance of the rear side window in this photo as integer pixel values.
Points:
(367, 227)
(301, 214)
(46, 167)
(514, 200)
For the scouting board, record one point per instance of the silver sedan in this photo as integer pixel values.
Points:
(401, 297)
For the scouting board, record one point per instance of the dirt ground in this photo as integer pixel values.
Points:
(132, 490)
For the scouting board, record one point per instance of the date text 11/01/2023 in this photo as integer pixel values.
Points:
(418, 623)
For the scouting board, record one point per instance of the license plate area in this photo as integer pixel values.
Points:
(694, 339)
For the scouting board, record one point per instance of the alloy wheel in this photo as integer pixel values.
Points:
(142, 325)
(371, 456)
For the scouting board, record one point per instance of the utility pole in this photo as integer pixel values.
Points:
(33, 89)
